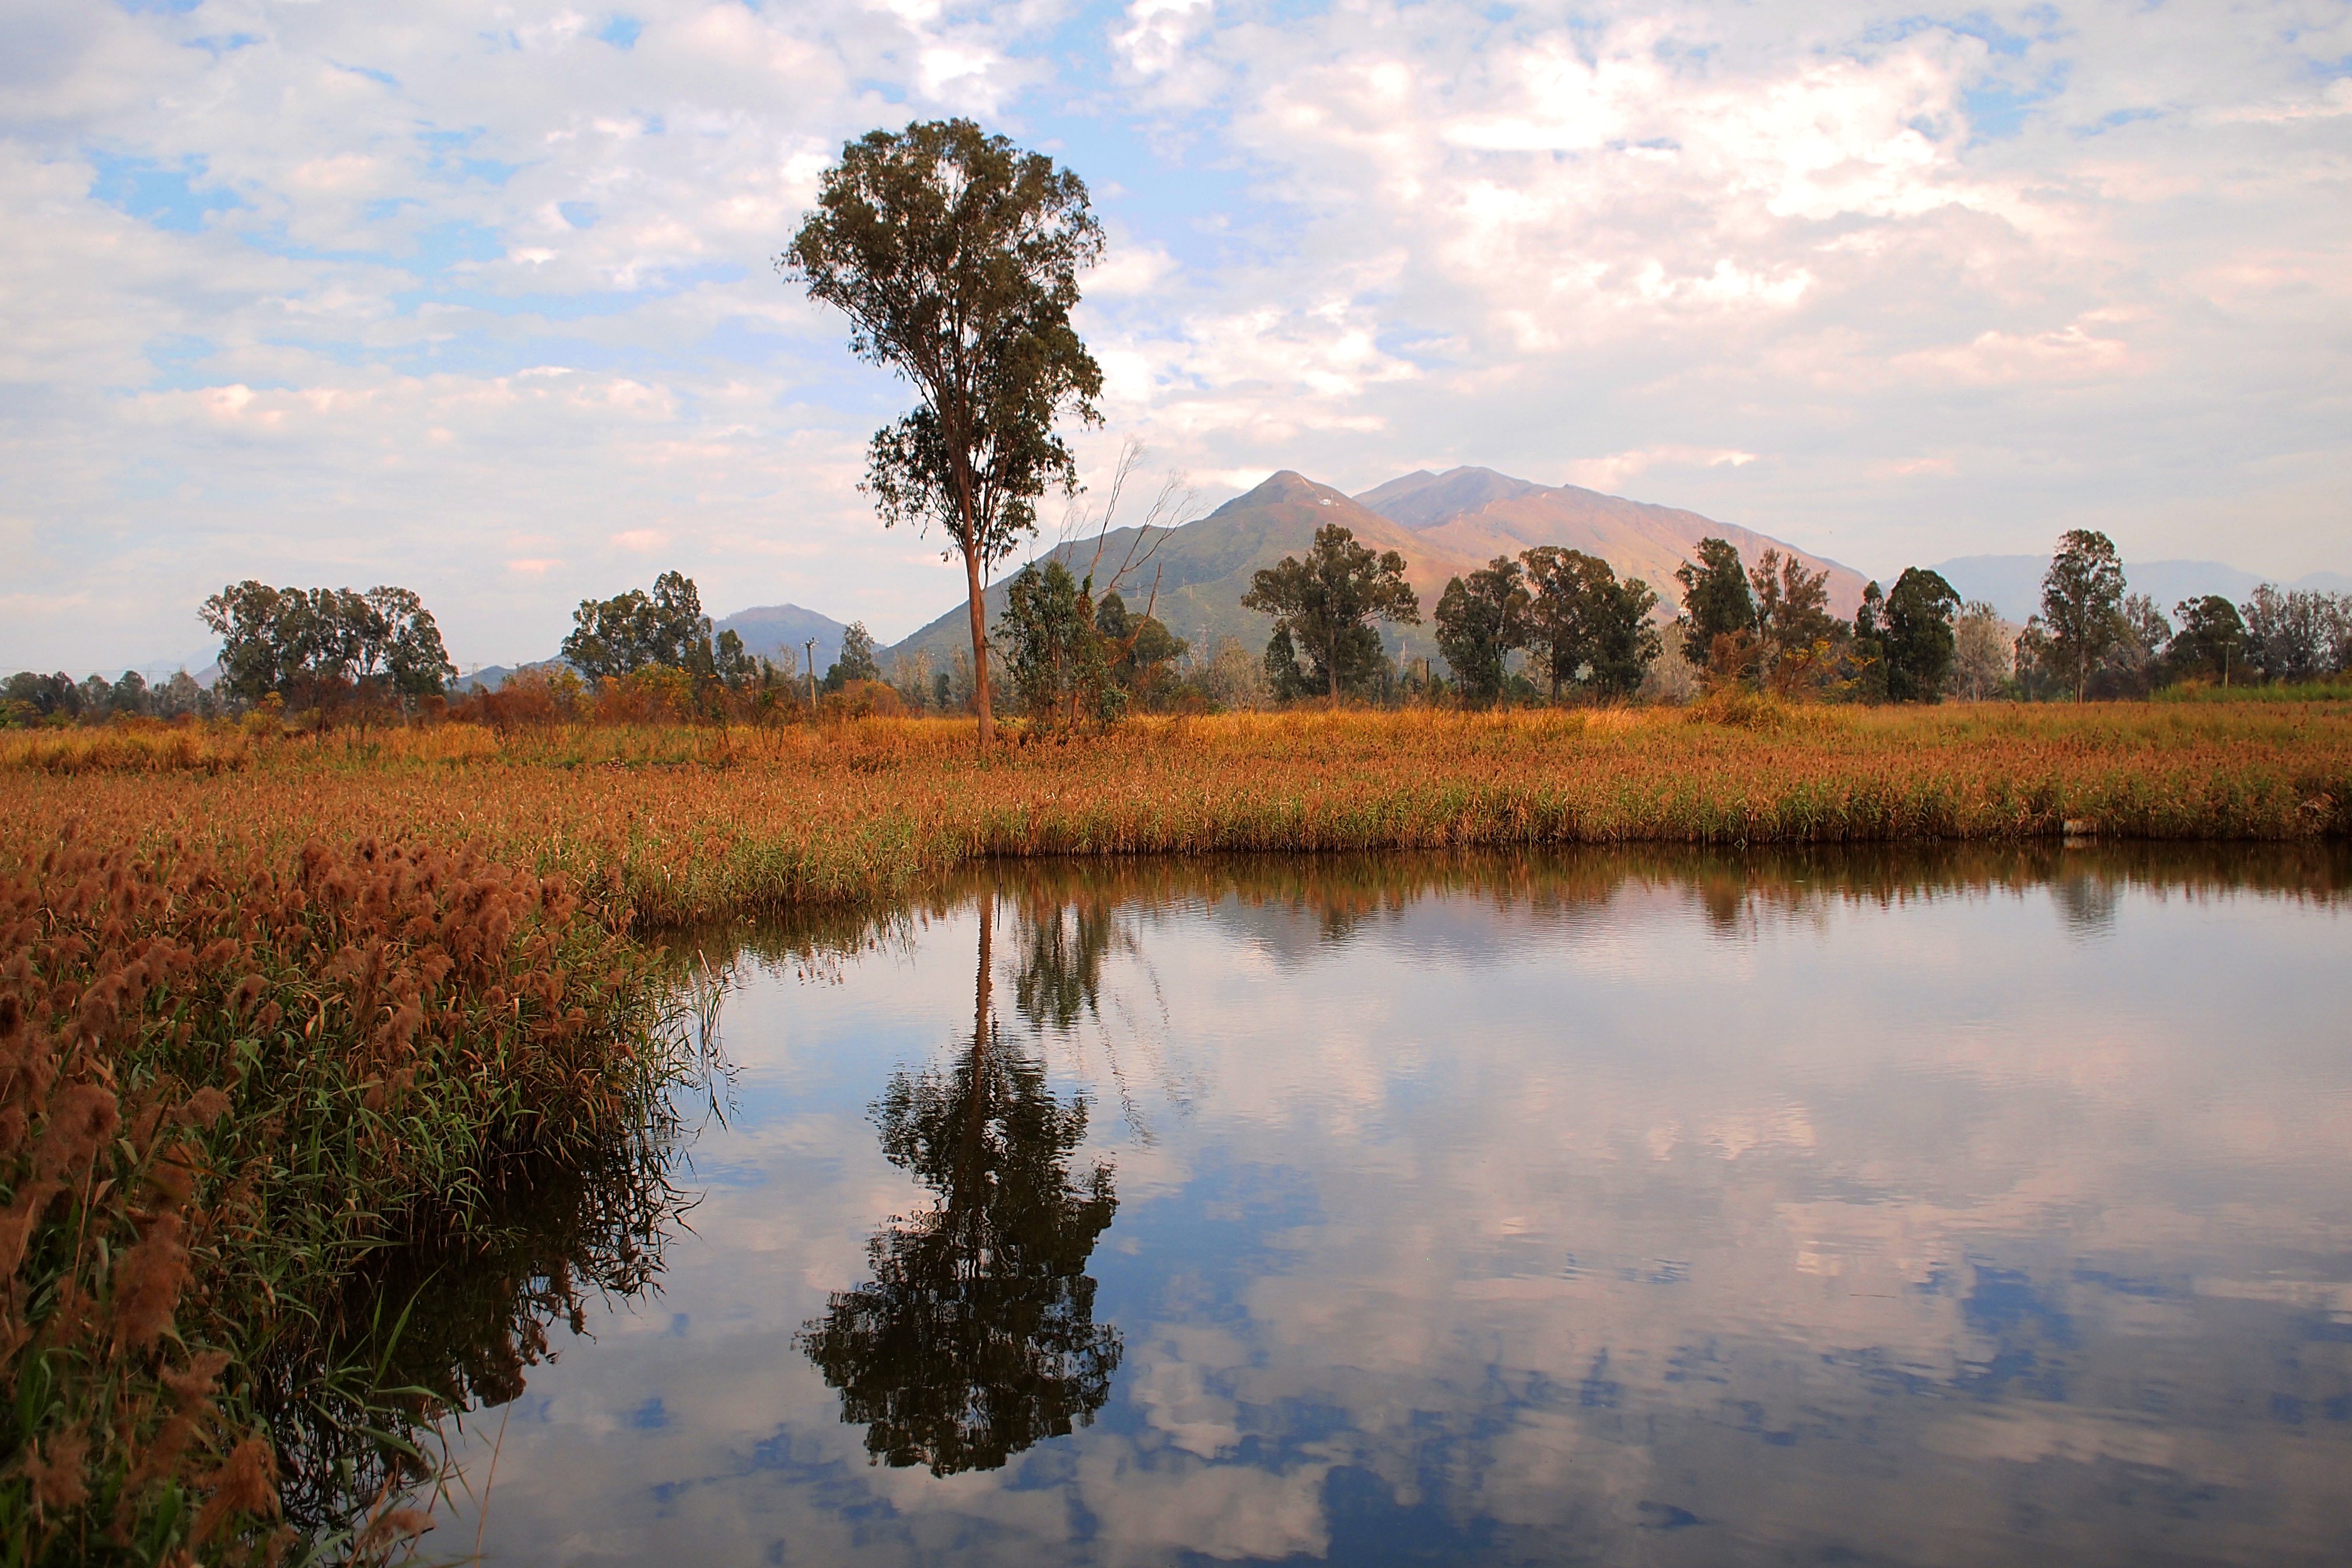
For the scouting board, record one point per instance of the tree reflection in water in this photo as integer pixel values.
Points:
(975, 1338)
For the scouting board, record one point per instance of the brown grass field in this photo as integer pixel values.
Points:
(672, 824)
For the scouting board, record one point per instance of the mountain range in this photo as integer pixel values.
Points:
(1443, 525)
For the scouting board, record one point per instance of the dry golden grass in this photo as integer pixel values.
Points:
(225, 1082)
(674, 824)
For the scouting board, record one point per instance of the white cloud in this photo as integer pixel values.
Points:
(292, 268)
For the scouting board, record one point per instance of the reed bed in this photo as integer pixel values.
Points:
(228, 1080)
(667, 826)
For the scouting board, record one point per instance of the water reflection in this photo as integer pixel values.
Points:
(1632, 1205)
(452, 1322)
(976, 1338)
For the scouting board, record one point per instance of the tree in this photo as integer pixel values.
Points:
(2212, 641)
(1141, 647)
(856, 661)
(1234, 680)
(1919, 641)
(2082, 602)
(1981, 652)
(955, 256)
(1324, 605)
(2136, 662)
(36, 696)
(665, 629)
(397, 640)
(1794, 629)
(304, 645)
(1480, 620)
(1865, 656)
(1058, 661)
(1715, 599)
(1584, 624)
(2297, 635)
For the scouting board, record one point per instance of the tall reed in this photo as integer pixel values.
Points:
(226, 1079)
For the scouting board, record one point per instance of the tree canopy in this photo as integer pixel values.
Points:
(1795, 632)
(1715, 599)
(2081, 603)
(312, 645)
(1480, 620)
(1919, 641)
(665, 629)
(856, 661)
(1324, 605)
(955, 256)
(1585, 625)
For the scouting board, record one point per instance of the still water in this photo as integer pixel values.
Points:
(1614, 1206)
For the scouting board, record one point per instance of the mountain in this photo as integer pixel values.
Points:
(1443, 524)
(782, 632)
(2012, 584)
(1477, 514)
(1204, 567)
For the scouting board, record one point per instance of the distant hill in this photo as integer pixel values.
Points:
(2012, 584)
(1443, 524)
(1204, 568)
(780, 633)
(1477, 513)
(490, 677)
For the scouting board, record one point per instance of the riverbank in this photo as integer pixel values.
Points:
(668, 826)
(232, 1085)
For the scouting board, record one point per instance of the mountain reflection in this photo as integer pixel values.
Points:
(975, 1338)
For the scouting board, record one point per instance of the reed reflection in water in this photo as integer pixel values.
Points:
(1974, 1206)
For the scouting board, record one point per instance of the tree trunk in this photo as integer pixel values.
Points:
(978, 594)
(1331, 668)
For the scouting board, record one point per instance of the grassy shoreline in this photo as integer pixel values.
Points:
(229, 1085)
(670, 826)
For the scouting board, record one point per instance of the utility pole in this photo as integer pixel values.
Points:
(811, 672)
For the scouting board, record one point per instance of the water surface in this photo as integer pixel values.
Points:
(1895, 1209)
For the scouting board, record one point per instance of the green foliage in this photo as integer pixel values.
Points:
(1480, 620)
(314, 646)
(2211, 643)
(1284, 682)
(856, 661)
(1863, 668)
(1327, 603)
(955, 256)
(1141, 648)
(1920, 641)
(1796, 635)
(1715, 598)
(2299, 635)
(1059, 660)
(665, 629)
(2082, 604)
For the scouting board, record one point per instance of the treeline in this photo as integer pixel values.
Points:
(1556, 625)
(1549, 625)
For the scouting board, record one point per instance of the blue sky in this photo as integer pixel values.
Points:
(481, 302)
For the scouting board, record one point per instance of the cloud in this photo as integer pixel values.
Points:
(296, 272)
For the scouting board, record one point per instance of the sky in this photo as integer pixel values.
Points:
(480, 299)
